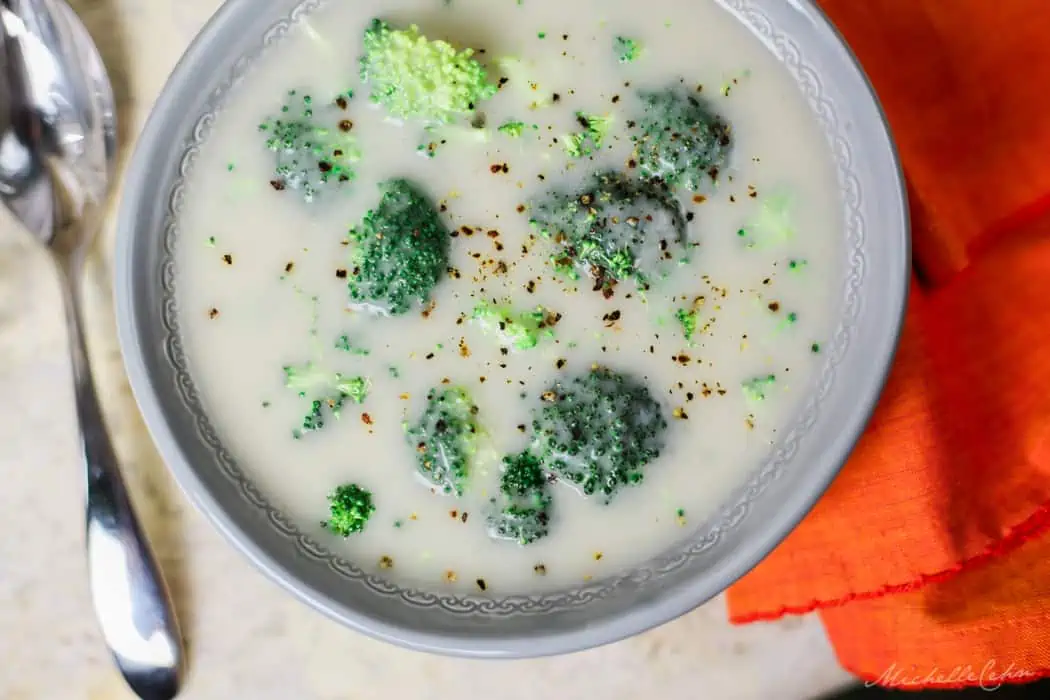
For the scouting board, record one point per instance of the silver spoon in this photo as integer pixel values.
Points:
(57, 150)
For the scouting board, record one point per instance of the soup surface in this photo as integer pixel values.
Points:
(631, 325)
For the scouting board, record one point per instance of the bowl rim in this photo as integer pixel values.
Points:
(638, 618)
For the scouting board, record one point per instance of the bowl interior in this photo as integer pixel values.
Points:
(752, 522)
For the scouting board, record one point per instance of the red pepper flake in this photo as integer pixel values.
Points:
(499, 168)
(454, 514)
(521, 208)
(774, 306)
(366, 419)
(277, 184)
(699, 199)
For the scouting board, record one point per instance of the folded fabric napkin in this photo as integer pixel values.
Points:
(928, 558)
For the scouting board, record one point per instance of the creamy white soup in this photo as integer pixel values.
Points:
(515, 319)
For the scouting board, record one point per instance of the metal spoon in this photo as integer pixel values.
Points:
(57, 150)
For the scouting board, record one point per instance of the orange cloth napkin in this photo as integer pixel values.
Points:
(927, 556)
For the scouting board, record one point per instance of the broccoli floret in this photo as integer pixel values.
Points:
(400, 251)
(524, 505)
(512, 128)
(587, 142)
(615, 229)
(755, 389)
(522, 524)
(343, 343)
(310, 155)
(353, 388)
(598, 431)
(522, 476)
(350, 507)
(688, 321)
(332, 390)
(521, 331)
(415, 78)
(445, 438)
(627, 49)
(680, 139)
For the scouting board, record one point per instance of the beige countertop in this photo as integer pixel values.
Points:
(247, 639)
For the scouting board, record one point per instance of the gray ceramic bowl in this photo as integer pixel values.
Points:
(752, 522)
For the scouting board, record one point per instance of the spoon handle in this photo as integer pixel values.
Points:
(131, 600)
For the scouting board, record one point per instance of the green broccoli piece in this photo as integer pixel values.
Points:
(333, 389)
(512, 128)
(308, 155)
(598, 431)
(400, 251)
(353, 388)
(614, 230)
(305, 378)
(522, 476)
(343, 343)
(415, 78)
(350, 507)
(521, 331)
(589, 141)
(773, 224)
(523, 513)
(688, 318)
(445, 438)
(521, 524)
(627, 49)
(688, 321)
(755, 389)
(680, 140)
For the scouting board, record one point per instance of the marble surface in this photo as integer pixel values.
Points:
(246, 638)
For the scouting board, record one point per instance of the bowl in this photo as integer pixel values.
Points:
(757, 516)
